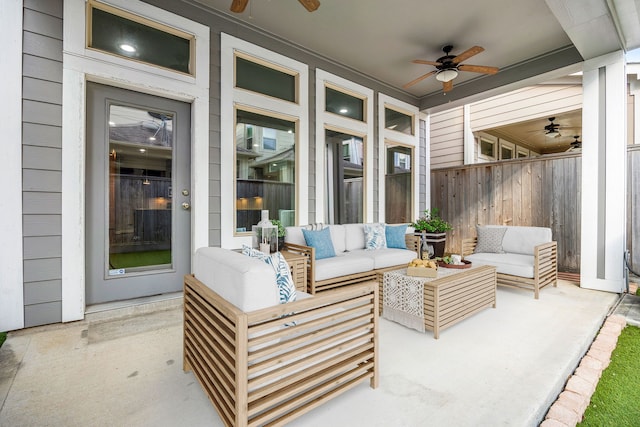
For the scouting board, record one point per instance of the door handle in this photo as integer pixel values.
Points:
(186, 206)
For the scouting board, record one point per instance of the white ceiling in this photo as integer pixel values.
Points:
(379, 39)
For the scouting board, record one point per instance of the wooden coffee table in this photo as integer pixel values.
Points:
(452, 296)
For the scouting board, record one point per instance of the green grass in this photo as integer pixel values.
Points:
(139, 259)
(3, 336)
(616, 401)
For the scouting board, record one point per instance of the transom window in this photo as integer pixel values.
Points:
(342, 103)
(258, 77)
(123, 34)
(397, 121)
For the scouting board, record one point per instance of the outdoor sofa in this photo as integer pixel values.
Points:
(524, 257)
(262, 362)
(352, 262)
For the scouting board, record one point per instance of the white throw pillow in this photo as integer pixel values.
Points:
(374, 236)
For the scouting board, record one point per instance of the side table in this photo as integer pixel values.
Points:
(298, 265)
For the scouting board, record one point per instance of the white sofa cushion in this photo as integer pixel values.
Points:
(338, 237)
(248, 283)
(342, 265)
(387, 257)
(508, 263)
(354, 236)
(523, 240)
(294, 235)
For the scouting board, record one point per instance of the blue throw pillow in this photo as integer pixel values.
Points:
(395, 236)
(321, 240)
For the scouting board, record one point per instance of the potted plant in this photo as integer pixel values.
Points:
(281, 231)
(433, 233)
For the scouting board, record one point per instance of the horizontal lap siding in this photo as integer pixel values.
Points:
(446, 136)
(42, 161)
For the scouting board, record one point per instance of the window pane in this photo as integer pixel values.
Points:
(265, 80)
(123, 37)
(345, 177)
(265, 169)
(506, 153)
(346, 105)
(486, 148)
(398, 180)
(140, 171)
(398, 121)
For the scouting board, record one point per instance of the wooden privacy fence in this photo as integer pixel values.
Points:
(542, 191)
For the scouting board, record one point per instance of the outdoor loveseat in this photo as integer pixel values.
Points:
(262, 362)
(351, 261)
(524, 257)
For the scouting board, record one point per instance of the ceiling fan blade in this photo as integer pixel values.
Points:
(310, 5)
(478, 69)
(447, 86)
(422, 61)
(467, 54)
(238, 6)
(419, 79)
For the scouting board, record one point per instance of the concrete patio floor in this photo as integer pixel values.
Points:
(503, 366)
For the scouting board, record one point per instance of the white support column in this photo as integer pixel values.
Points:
(426, 167)
(603, 173)
(468, 138)
(11, 260)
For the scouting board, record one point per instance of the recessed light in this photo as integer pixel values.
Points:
(343, 111)
(127, 48)
(152, 138)
(142, 150)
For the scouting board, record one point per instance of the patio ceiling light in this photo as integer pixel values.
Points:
(446, 75)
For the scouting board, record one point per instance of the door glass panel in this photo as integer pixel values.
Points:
(265, 169)
(345, 176)
(140, 190)
(398, 180)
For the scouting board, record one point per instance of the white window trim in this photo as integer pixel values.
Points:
(81, 65)
(386, 136)
(348, 125)
(521, 150)
(11, 259)
(230, 98)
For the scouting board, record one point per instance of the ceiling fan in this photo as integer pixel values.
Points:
(447, 67)
(552, 130)
(576, 143)
(238, 6)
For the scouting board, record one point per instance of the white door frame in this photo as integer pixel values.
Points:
(80, 65)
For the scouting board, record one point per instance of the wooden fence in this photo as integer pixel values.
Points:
(543, 191)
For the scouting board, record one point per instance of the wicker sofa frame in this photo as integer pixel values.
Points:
(545, 267)
(258, 371)
(314, 286)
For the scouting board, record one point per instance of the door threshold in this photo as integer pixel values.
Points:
(133, 307)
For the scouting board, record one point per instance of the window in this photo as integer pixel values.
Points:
(398, 121)
(344, 151)
(397, 163)
(255, 76)
(506, 150)
(398, 184)
(522, 152)
(487, 146)
(261, 151)
(265, 179)
(121, 33)
(339, 102)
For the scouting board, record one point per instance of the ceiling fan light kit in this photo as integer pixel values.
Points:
(446, 75)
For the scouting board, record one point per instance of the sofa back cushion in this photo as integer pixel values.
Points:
(338, 237)
(354, 236)
(248, 283)
(522, 240)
